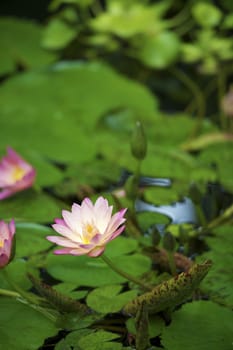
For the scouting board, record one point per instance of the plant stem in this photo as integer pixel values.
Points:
(25, 297)
(125, 274)
(9, 293)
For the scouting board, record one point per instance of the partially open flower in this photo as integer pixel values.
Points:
(15, 174)
(87, 228)
(7, 232)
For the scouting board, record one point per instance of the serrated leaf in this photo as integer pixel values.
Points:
(58, 300)
(170, 293)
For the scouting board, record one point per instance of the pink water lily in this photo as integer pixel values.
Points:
(15, 174)
(87, 228)
(7, 232)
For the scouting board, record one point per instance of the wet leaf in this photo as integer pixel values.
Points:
(21, 325)
(199, 325)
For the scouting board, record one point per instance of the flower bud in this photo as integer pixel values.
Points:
(138, 142)
(7, 242)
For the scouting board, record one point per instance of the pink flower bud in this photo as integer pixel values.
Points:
(15, 174)
(7, 232)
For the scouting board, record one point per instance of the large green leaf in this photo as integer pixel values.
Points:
(60, 108)
(199, 325)
(107, 299)
(31, 239)
(86, 271)
(30, 206)
(218, 283)
(20, 45)
(220, 155)
(22, 327)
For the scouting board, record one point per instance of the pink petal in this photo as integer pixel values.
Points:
(64, 242)
(114, 234)
(71, 251)
(5, 193)
(96, 252)
(87, 210)
(66, 232)
(12, 228)
(60, 222)
(116, 220)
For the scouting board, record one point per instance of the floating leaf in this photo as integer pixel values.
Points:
(170, 293)
(22, 326)
(107, 299)
(20, 45)
(31, 239)
(17, 272)
(199, 325)
(218, 283)
(100, 340)
(30, 206)
(62, 130)
(91, 272)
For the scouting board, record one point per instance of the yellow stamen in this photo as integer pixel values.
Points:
(18, 173)
(89, 231)
(1, 243)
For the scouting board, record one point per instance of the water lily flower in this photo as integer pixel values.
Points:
(7, 232)
(15, 174)
(87, 228)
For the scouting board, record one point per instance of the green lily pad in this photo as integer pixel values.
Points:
(86, 339)
(107, 299)
(29, 206)
(22, 327)
(93, 272)
(61, 108)
(220, 155)
(20, 45)
(218, 283)
(199, 325)
(31, 239)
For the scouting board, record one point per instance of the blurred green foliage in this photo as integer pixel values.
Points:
(72, 89)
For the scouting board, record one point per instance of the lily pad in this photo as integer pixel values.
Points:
(22, 327)
(218, 283)
(107, 299)
(20, 45)
(62, 110)
(29, 206)
(90, 272)
(31, 239)
(199, 325)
